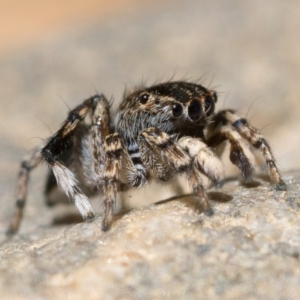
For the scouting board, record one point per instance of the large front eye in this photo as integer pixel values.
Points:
(195, 110)
(177, 110)
(209, 105)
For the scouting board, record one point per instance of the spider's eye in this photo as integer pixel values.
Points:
(209, 105)
(177, 110)
(144, 98)
(195, 110)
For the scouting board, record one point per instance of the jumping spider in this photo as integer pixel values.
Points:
(159, 131)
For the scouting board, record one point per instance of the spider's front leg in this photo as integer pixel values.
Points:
(182, 157)
(227, 125)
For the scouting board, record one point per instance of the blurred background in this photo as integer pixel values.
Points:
(54, 54)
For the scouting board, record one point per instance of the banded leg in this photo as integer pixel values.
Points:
(88, 152)
(28, 163)
(88, 146)
(110, 177)
(59, 143)
(51, 152)
(153, 141)
(228, 125)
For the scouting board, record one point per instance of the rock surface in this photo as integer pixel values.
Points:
(249, 249)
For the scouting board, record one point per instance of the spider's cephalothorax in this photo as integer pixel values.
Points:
(160, 131)
(173, 107)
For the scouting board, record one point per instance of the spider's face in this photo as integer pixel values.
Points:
(171, 107)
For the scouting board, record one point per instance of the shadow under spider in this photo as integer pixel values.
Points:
(193, 201)
(189, 199)
(248, 184)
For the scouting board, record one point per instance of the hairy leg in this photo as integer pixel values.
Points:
(109, 179)
(29, 162)
(83, 159)
(204, 159)
(153, 142)
(227, 125)
(59, 143)
(50, 153)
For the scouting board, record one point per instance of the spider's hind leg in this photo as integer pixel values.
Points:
(78, 158)
(51, 153)
(59, 143)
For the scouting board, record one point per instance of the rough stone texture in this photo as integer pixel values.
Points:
(249, 249)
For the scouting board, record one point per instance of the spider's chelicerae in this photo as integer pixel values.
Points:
(158, 132)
